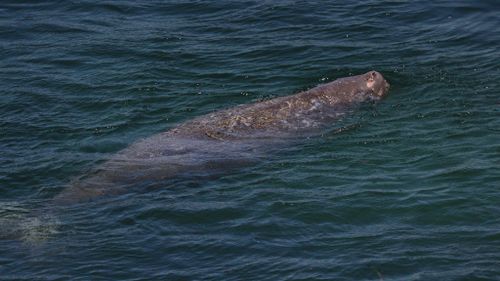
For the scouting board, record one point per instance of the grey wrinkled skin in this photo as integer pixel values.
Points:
(228, 138)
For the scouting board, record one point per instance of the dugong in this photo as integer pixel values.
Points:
(226, 138)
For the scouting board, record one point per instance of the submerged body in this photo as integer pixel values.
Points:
(227, 138)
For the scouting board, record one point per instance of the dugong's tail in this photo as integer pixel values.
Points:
(19, 222)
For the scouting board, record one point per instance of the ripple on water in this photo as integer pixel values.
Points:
(403, 190)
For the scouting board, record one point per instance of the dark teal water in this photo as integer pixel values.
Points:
(409, 191)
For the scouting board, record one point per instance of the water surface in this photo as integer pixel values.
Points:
(408, 190)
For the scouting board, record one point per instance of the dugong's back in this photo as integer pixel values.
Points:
(290, 115)
(227, 138)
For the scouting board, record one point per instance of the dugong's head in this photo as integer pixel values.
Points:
(360, 88)
(374, 85)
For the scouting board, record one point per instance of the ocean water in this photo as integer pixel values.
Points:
(408, 189)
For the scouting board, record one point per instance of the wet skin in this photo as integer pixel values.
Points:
(227, 139)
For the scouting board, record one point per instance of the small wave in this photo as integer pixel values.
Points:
(19, 223)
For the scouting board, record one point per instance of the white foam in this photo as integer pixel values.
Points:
(19, 223)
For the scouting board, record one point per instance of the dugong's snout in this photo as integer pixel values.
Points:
(377, 84)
